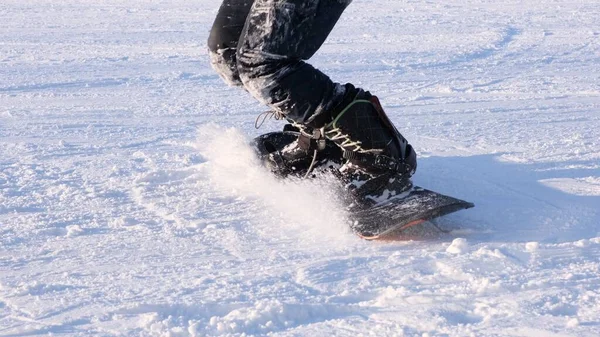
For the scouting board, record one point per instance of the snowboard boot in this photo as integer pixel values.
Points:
(378, 161)
(298, 151)
(296, 157)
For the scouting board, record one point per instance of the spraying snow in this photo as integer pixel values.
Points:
(309, 207)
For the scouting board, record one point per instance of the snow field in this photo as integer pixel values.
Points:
(130, 203)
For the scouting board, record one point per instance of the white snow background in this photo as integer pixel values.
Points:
(131, 206)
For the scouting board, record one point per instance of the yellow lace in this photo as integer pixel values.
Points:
(335, 134)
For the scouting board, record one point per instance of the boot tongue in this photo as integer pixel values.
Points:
(325, 118)
(361, 122)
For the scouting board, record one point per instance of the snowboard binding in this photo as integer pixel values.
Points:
(281, 153)
(292, 152)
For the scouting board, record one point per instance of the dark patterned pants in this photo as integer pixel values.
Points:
(262, 45)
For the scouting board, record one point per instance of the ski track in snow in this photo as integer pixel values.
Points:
(129, 204)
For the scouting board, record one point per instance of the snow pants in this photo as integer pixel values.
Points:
(262, 45)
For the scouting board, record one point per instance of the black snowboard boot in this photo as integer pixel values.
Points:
(297, 151)
(378, 159)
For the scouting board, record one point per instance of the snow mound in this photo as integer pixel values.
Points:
(588, 186)
(266, 316)
(458, 246)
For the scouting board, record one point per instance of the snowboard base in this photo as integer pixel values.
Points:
(397, 214)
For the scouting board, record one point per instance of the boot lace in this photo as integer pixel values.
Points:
(262, 117)
(336, 135)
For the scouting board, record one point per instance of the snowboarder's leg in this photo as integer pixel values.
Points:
(224, 37)
(278, 36)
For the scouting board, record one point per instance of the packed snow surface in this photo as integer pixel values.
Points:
(130, 203)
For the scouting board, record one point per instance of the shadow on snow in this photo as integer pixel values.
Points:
(511, 202)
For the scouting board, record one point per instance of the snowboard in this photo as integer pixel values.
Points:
(411, 208)
(371, 221)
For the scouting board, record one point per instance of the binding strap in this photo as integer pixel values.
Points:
(367, 159)
(311, 141)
